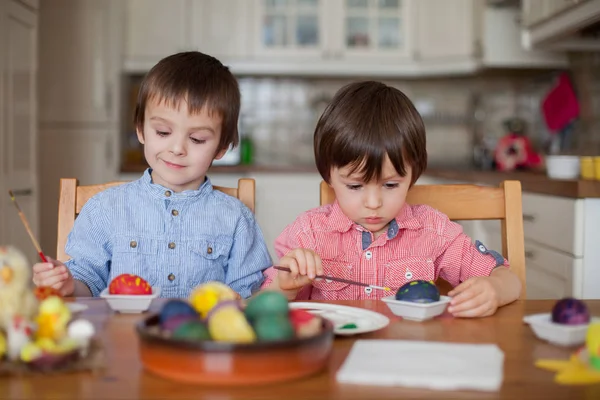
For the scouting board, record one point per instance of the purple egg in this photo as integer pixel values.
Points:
(570, 311)
(174, 322)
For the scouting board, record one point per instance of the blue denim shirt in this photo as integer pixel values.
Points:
(173, 240)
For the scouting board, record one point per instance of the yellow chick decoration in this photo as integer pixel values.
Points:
(16, 295)
(52, 319)
(582, 367)
(208, 295)
(228, 324)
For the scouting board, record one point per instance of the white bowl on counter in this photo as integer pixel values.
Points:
(562, 167)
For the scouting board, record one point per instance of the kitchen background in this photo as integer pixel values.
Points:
(71, 69)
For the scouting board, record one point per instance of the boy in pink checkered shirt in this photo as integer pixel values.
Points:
(370, 148)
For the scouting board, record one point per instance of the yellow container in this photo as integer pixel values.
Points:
(597, 167)
(587, 168)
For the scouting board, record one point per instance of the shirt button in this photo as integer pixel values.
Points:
(133, 244)
(408, 275)
(368, 255)
(328, 280)
(168, 193)
(171, 277)
(209, 250)
(368, 290)
(174, 213)
(171, 245)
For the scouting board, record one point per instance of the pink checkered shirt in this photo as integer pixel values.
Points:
(422, 244)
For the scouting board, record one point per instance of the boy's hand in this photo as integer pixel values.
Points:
(475, 297)
(304, 264)
(54, 274)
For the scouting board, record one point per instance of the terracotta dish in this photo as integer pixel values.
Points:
(229, 364)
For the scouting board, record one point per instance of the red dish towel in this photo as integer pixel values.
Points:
(560, 105)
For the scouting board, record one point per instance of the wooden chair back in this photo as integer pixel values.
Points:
(73, 197)
(473, 202)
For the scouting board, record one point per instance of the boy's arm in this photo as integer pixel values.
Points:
(89, 247)
(248, 257)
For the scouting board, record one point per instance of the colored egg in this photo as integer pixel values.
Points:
(570, 311)
(418, 291)
(173, 323)
(273, 327)
(176, 308)
(266, 303)
(192, 330)
(129, 284)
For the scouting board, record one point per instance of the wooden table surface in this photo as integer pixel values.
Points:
(124, 378)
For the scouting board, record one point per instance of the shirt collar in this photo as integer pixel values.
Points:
(338, 221)
(162, 192)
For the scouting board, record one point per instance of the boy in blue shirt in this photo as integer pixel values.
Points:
(170, 227)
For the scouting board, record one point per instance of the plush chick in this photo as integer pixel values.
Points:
(16, 295)
(52, 320)
(208, 295)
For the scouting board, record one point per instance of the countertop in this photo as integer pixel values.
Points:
(533, 182)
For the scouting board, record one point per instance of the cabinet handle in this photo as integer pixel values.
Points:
(528, 217)
(529, 254)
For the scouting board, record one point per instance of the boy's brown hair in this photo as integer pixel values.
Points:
(364, 122)
(200, 80)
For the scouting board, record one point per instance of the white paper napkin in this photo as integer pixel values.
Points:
(431, 365)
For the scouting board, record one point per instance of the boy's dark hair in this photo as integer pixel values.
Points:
(199, 79)
(364, 122)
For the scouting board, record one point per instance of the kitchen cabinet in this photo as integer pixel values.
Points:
(18, 123)
(155, 29)
(560, 24)
(211, 28)
(79, 102)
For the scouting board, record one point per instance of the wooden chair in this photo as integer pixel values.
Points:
(73, 197)
(472, 202)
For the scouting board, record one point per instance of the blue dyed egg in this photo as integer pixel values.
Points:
(180, 309)
(418, 291)
(570, 311)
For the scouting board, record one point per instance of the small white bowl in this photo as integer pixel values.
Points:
(416, 311)
(559, 334)
(562, 167)
(130, 303)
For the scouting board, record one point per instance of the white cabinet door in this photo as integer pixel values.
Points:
(445, 29)
(371, 31)
(74, 75)
(291, 29)
(154, 30)
(220, 28)
(18, 125)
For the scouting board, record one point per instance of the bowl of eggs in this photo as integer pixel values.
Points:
(418, 300)
(212, 338)
(566, 325)
(129, 294)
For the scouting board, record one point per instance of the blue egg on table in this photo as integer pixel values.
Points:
(177, 308)
(570, 311)
(418, 291)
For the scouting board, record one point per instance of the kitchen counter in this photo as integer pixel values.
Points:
(533, 182)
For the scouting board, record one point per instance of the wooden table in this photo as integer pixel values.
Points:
(124, 377)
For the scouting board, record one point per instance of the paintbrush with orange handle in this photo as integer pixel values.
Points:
(333, 278)
(27, 228)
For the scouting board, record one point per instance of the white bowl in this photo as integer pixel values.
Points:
(130, 303)
(416, 311)
(562, 167)
(559, 334)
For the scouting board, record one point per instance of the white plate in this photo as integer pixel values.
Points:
(365, 320)
(77, 307)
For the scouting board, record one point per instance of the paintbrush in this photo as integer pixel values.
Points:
(27, 228)
(333, 278)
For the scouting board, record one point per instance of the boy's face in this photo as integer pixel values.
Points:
(374, 204)
(179, 147)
